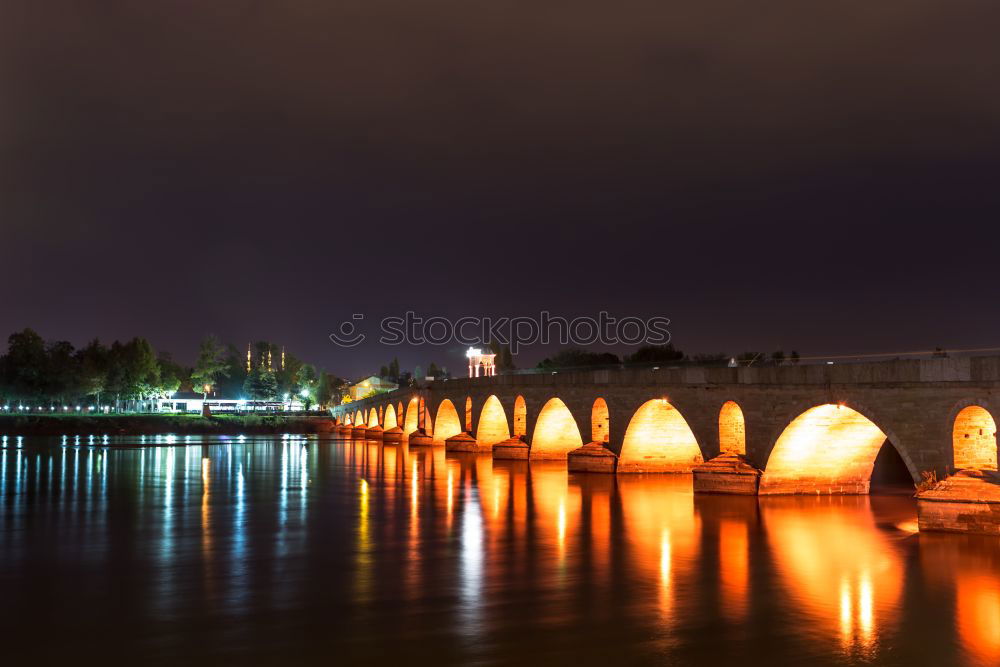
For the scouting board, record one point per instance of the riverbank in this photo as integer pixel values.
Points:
(158, 424)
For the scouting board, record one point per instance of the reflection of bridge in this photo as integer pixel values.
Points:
(810, 429)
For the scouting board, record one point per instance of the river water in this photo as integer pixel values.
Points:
(288, 550)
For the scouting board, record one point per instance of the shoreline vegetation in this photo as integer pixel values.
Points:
(162, 424)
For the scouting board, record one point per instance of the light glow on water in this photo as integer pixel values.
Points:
(417, 555)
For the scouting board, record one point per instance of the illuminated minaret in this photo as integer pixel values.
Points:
(248, 358)
(269, 366)
(282, 357)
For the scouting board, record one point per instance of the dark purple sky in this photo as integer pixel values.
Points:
(817, 176)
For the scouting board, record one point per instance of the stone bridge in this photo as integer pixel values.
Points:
(797, 428)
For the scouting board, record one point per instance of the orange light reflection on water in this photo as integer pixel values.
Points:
(838, 568)
(968, 566)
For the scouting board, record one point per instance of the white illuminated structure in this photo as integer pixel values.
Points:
(480, 364)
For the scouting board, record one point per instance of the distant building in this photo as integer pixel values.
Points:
(370, 383)
(480, 363)
(191, 402)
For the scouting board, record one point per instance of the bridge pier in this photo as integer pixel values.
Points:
(966, 502)
(419, 438)
(464, 442)
(727, 473)
(592, 457)
(358, 432)
(373, 433)
(394, 434)
(511, 449)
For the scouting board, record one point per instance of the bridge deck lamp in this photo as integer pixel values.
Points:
(480, 363)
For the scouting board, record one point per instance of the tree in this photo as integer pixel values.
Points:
(261, 385)
(778, 358)
(713, 358)
(211, 365)
(649, 354)
(394, 369)
(433, 371)
(25, 364)
(92, 364)
(383, 372)
(504, 361)
(306, 385)
(231, 382)
(141, 370)
(172, 375)
(574, 357)
(59, 381)
(288, 376)
(327, 389)
(750, 358)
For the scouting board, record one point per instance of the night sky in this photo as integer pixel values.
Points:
(822, 177)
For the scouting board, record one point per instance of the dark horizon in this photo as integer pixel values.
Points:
(813, 178)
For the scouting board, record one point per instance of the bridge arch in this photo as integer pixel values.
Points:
(373, 418)
(658, 439)
(556, 432)
(600, 421)
(492, 426)
(389, 418)
(520, 417)
(446, 422)
(828, 449)
(974, 438)
(732, 429)
(411, 420)
(359, 419)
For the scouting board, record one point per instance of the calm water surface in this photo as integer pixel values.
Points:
(279, 550)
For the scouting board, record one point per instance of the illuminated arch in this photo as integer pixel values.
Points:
(974, 439)
(600, 422)
(556, 432)
(732, 429)
(389, 420)
(658, 439)
(373, 418)
(412, 419)
(492, 423)
(447, 422)
(359, 418)
(828, 449)
(468, 414)
(520, 417)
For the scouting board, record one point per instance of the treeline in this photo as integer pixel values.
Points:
(664, 354)
(404, 378)
(129, 376)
